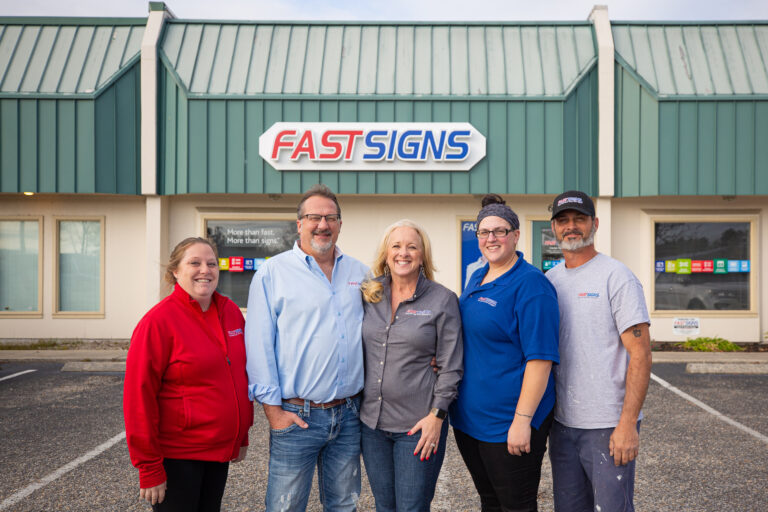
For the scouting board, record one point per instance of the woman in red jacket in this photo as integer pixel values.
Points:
(185, 403)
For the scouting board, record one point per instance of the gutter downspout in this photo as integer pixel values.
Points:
(156, 210)
(605, 126)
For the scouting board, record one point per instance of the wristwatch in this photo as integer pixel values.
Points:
(438, 413)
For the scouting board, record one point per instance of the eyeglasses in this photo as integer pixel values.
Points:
(498, 233)
(331, 218)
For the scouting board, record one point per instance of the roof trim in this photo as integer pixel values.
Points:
(69, 21)
(384, 23)
(668, 23)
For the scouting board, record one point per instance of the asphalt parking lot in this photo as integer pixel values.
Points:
(50, 420)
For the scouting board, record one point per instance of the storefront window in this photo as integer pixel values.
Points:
(702, 266)
(19, 266)
(244, 245)
(79, 266)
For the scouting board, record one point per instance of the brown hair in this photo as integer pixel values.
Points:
(372, 290)
(317, 190)
(178, 254)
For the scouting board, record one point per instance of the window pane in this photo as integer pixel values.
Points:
(702, 266)
(243, 245)
(19, 253)
(79, 265)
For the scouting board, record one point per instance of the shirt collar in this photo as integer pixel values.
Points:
(183, 296)
(421, 286)
(477, 277)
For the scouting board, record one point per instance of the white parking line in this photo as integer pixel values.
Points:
(710, 410)
(17, 374)
(66, 468)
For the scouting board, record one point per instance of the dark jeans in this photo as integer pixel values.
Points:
(193, 485)
(505, 482)
(584, 475)
(401, 481)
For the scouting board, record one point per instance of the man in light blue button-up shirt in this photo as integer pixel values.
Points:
(305, 360)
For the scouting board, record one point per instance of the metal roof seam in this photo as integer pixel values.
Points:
(668, 61)
(269, 59)
(746, 65)
(103, 60)
(763, 58)
(653, 61)
(322, 60)
(250, 61)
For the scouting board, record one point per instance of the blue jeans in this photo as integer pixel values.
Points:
(332, 442)
(401, 481)
(584, 476)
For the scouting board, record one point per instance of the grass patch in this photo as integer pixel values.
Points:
(41, 345)
(710, 345)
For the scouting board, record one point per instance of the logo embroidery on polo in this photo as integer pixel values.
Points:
(488, 301)
(236, 332)
(417, 312)
(589, 295)
(354, 283)
(570, 200)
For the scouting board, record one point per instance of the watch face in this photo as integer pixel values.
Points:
(439, 413)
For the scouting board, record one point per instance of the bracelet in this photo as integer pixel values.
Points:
(524, 415)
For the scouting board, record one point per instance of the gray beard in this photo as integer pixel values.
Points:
(575, 245)
(322, 249)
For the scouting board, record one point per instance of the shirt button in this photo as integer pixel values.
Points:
(379, 398)
(379, 380)
(387, 327)
(383, 344)
(382, 362)
(342, 336)
(338, 314)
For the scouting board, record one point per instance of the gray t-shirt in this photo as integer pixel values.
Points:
(598, 301)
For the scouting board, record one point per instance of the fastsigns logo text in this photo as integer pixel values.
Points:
(372, 146)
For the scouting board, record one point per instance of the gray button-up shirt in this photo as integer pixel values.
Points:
(400, 385)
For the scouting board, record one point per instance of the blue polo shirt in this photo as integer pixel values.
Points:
(506, 323)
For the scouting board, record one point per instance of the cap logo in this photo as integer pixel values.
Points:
(570, 200)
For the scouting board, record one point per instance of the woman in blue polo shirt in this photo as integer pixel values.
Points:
(504, 409)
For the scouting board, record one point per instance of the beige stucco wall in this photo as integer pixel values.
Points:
(127, 258)
(364, 219)
(632, 233)
(123, 268)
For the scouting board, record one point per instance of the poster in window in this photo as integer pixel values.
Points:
(243, 246)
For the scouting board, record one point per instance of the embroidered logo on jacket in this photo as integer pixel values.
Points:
(488, 301)
(589, 295)
(236, 332)
(417, 312)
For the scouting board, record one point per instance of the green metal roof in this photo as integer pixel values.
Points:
(65, 56)
(396, 60)
(696, 60)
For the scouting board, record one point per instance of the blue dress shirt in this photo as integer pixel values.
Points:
(303, 333)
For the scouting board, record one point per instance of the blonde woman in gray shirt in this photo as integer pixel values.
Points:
(409, 319)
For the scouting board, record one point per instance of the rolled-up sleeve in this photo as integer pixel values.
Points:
(260, 336)
(449, 353)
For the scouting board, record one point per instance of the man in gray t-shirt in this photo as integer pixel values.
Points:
(605, 366)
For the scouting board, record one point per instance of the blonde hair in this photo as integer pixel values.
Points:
(373, 290)
(178, 254)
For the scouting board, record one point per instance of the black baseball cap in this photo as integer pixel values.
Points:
(573, 200)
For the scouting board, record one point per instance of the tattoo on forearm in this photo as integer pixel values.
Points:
(636, 331)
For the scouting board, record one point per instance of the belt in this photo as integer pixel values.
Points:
(318, 405)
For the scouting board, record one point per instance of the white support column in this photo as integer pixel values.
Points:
(605, 130)
(155, 23)
(603, 236)
(156, 236)
(156, 223)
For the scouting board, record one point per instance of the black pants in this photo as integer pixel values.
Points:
(505, 482)
(193, 485)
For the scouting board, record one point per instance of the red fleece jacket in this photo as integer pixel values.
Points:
(185, 397)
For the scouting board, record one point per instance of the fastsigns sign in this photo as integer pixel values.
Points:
(372, 146)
